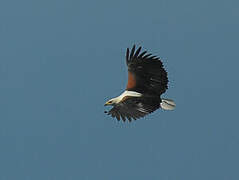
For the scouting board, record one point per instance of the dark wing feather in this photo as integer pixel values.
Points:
(127, 56)
(134, 108)
(137, 52)
(148, 72)
(141, 55)
(132, 52)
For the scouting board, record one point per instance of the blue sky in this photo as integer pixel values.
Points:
(61, 60)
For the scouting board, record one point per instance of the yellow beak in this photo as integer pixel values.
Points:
(107, 103)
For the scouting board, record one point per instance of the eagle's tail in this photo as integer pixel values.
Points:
(167, 104)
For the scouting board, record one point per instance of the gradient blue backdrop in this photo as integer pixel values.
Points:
(60, 60)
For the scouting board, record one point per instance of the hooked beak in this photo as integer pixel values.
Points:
(106, 104)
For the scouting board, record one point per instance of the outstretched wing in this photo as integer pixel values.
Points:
(134, 108)
(145, 73)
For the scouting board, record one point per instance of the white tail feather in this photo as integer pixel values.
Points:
(167, 104)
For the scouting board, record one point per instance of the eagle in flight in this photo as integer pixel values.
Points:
(147, 80)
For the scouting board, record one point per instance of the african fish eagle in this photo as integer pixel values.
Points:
(147, 80)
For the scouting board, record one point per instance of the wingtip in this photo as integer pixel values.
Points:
(132, 52)
(133, 48)
(127, 55)
(137, 52)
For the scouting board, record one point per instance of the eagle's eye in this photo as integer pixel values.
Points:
(110, 102)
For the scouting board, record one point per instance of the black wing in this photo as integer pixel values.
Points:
(134, 108)
(145, 73)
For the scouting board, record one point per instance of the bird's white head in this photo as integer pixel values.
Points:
(112, 102)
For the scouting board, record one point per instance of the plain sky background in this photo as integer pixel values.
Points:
(60, 60)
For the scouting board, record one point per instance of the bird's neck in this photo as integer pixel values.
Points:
(127, 93)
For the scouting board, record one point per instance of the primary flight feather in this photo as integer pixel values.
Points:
(147, 80)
